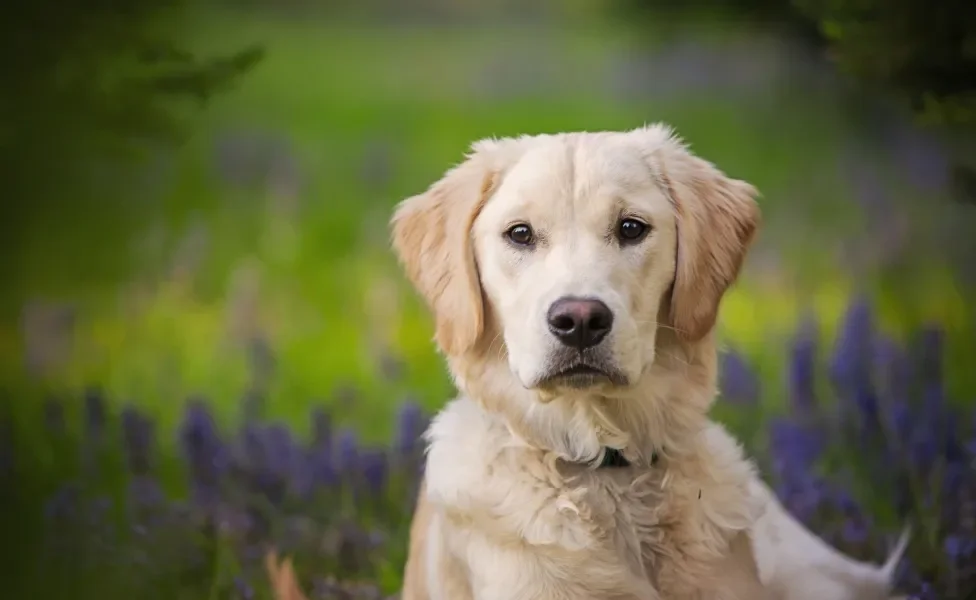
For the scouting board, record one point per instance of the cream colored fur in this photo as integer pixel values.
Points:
(512, 507)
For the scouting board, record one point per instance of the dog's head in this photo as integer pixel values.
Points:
(566, 255)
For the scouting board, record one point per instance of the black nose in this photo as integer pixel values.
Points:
(579, 322)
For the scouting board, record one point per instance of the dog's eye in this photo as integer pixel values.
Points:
(631, 231)
(520, 234)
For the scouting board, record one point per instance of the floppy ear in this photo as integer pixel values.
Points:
(717, 219)
(432, 237)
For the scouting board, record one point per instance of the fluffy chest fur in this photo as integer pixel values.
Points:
(643, 531)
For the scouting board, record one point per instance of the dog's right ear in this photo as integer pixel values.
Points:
(432, 238)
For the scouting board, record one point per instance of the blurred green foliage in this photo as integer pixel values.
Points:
(923, 51)
(89, 84)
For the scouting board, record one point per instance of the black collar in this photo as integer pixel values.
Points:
(612, 458)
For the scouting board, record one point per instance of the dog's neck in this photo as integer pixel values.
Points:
(658, 417)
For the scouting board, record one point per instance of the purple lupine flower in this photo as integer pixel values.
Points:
(321, 466)
(64, 504)
(802, 372)
(139, 438)
(303, 473)
(926, 592)
(144, 498)
(321, 427)
(958, 548)
(971, 447)
(850, 364)
(206, 455)
(738, 382)
(348, 451)
(96, 414)
(257, 468)
(103, 545)
(234, 521)
(410, 425)
(242, 589)
(281, 447)
(895, 370)
(375, 470)
(921, 157)
(854, 531)
(799, 445)
(956, 471)
(865, 399)
(284, 455)
(145, 492)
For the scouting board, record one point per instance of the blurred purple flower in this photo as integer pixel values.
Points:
(921, 157)
(851, 361)
(242, 589)
(802, 371)
(145, 492)
(854, 531)
(797, 446)
(262, 463)
(737, 381)
(96, 414)
(348, 450)
(869, 188)
(375, 470)
(971, 447)
(144, 500)
(139, 440)
(64, 504)
(410, 425)
(233, 521)
(959, 549)
(321, 466)
(321, 427)
(895, 375)
(207, 457)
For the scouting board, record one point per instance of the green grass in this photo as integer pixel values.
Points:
(330, 91)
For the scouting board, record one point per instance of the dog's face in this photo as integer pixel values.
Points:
(566, 254)
(575, 252)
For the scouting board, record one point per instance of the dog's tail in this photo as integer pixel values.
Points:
(898, 552)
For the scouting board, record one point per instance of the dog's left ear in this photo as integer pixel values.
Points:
(432, 237)
(717, 220)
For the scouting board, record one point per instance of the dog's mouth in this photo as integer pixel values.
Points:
(581, 375)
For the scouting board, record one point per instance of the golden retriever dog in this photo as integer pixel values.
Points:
(575, 280)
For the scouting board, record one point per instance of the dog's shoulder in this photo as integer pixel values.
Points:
(463, 441)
